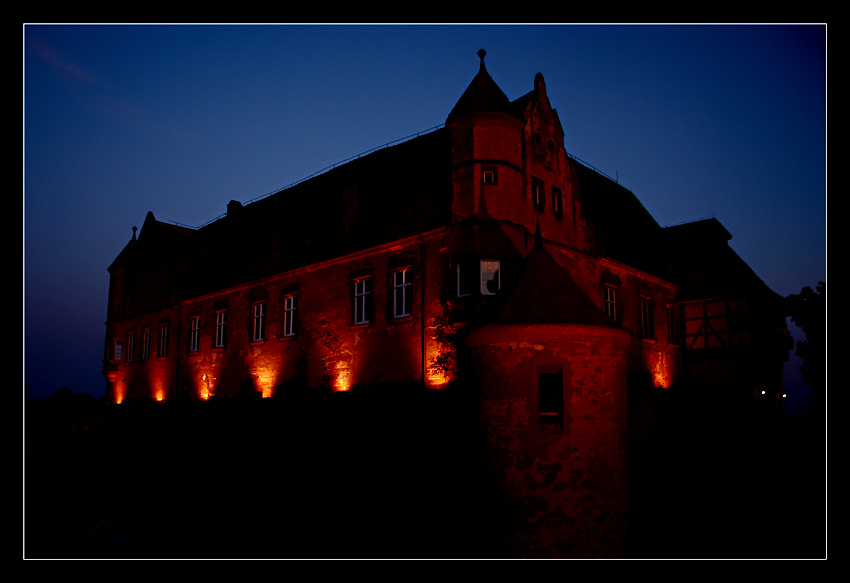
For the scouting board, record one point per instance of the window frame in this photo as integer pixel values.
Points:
(647, 317)
(146, 343)
(609, 299)
(290, 313)
(673, 331)
(484, 290)
(550, 397)
(117, 349)
(194, 333)
(258, 321)
(362, 297)
(131, 342)
(162, 351)
(402, 292)
(557, 201)
(220, 329)
(538, 194)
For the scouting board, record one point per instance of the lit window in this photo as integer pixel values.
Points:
(194, 333)
(146, 343)
(402, 292)
(116, 350)
(557, 201)
(490, 279)
(290, 305)
(362, 291)
(131, 342)
(163, 340)
(611, 302)
(537, 195)
(259, 331)
(647, 329)
(220, 328)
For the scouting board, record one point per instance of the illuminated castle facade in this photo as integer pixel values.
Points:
(481, 253)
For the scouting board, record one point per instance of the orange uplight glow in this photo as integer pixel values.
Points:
(343, 378)
(119, 395)
(661, 373)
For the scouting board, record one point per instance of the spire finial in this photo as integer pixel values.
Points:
(134, 233)
(481, 54)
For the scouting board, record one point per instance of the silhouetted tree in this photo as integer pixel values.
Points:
(808, 311)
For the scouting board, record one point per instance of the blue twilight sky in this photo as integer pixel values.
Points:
(724, 121)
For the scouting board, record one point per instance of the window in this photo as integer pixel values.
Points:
(131, 343)
(290, 305)
(537, 195)
(611, 302)
(259, 330)
(116, 350)
(490, 279)
(647, 329)
(557, 202)
(402, 292)
(672, 325)
(220, 328)
(163, 340)
(194, 333)
(362, 291)
(489, 176)
(550, 386)
(146, 343)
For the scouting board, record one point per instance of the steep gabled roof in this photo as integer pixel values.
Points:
(482, 96)
(546, 294)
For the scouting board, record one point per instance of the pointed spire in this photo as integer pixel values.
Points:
(482, 95)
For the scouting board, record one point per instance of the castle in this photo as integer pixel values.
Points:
(478, 253)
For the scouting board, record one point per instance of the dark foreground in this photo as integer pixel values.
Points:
(366, 476)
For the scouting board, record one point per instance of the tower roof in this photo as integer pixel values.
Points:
(547, 294)
(482, 96)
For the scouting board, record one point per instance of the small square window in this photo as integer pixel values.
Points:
(489, 176)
